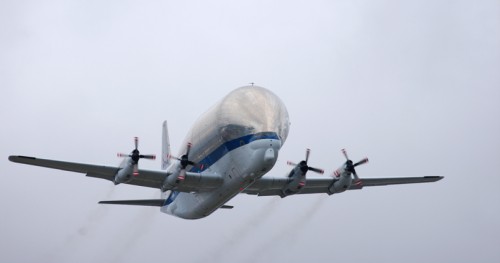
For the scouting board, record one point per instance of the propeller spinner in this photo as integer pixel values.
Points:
(303, 164)
(135, 155)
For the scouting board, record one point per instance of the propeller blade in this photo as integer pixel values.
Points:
(355, 175)
(303, 164)
(122, 155)
(365, 160)
(148, 156)
(316, 170)
(182, 174)
(136, 170)
(186, 162)
(174, 157)
(136, 142)
(350, 167)
(345, 154)
(188, 148)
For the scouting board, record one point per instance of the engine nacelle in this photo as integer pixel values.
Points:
(130, 165)
(124, 174)
(297, 176)
(343, 176)
(173, 179)
(343, 180)
(297, 180)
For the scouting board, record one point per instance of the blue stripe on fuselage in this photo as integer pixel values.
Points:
(222, 150)
(227, 147)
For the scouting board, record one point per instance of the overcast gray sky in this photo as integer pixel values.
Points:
(413, 85)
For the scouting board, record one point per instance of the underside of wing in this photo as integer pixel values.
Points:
(147, 178)
(267, 186)
(397, 180)
(145, 202)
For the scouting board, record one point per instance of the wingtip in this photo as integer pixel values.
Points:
(16, 158)
(13, 158)
(435, 178)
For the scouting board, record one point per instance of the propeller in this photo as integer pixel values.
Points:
(303, 164)
(184, 159)
(135, 155)
(350, 165)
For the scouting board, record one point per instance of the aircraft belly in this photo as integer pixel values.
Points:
(239, 168)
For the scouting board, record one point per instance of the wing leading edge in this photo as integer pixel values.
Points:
(273, 186)
(265, 186)
(146, 178)
(193, 181)
(145, 202)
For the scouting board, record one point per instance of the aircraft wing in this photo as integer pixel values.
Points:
(153, 179)
(267, 186)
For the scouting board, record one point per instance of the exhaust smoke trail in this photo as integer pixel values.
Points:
(288, 234)
(130, 234)
(88, 227)
(243, 230)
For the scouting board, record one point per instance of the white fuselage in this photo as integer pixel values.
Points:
(239, 139)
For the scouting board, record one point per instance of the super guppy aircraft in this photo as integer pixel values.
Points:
(226, 152)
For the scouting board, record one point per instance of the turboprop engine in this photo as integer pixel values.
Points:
(343, 175)
(179, 174)
(297, 176)
(130, 166)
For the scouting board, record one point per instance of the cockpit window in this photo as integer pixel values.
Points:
(233, 131)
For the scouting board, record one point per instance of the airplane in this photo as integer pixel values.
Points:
(226, 152)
